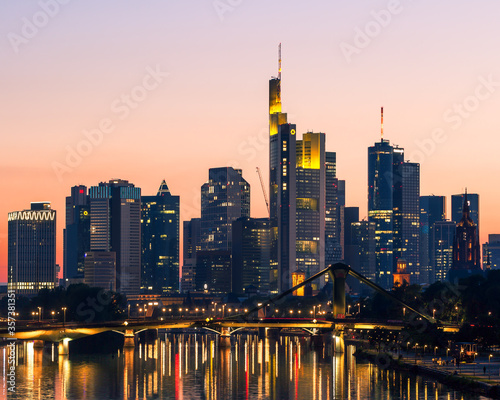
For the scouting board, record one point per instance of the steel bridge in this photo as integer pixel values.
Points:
(225, 327)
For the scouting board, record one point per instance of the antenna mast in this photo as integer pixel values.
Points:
(382, 123)
(279, 62)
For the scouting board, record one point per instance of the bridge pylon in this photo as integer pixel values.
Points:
(338, 272)
(129, 338)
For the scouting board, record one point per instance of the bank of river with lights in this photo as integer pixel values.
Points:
(194, 366)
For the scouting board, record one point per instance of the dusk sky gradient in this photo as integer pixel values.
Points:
(211, 109)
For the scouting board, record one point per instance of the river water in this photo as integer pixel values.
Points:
(193, 366)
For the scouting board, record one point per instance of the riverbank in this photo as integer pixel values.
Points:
(456, 381)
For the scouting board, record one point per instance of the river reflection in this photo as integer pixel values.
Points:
(194, 366)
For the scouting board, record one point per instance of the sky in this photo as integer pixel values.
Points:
(145, 91)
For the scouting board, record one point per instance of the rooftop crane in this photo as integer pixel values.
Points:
(263, 189)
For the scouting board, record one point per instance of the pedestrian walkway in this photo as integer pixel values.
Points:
(483, 369)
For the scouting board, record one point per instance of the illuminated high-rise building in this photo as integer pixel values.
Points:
(432, 210)
(491, 252)
(76, 235)
(115, 226)
(281, 184)
(333, 228)
(32, 249)
(380, 208)
(160, 242)
(393, 204)
(443, 233)
(310, 203)
(224, 199)
(410, 215)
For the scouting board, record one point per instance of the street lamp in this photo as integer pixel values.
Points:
(435, 348)
(128, 311)
(489, 358)
(40, 314)
(64, 311)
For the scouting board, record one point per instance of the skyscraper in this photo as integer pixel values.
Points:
(333, 248)
(380, 208)
(432, 210)
(115, 226)
(160, 242)
(442, 249)
(76, 235)
(393, 195)
(251, 253)
(410, 232)
(310, 204)
(491, 252)
(283, 202)
(224, 198)
(32, 249)
(363, 242)
(191, 245)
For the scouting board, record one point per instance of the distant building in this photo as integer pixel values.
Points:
(443, 233)
(333, 249)
(251, 251)
(224, 198)
(348, 216)
(432, 210)
(457, 202)
(160, 242)
(491, 252)
(362, 245)
(298, 277)
(32, 249)
(310, 205)
(393, 204)
(213, 271)
(401, 276)
(466, 248)
(100, 269)
(380, 208)
(191, 244)
(115, 226)
(76, 235)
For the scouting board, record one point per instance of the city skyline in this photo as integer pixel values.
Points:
(53, 94)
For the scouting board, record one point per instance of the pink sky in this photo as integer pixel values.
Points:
(434, 68)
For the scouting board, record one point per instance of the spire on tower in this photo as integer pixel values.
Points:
(279, 62)
(382, 123)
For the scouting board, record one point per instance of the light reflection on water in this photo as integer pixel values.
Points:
(194, 366)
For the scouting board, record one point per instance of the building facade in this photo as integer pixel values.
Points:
(224, 198)
(443, 234)
(251, 253)
(380, 208)
(76, 235)
(432, 210)
(115, 226)
(191, 245)
(32, 249)
(160, 242)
